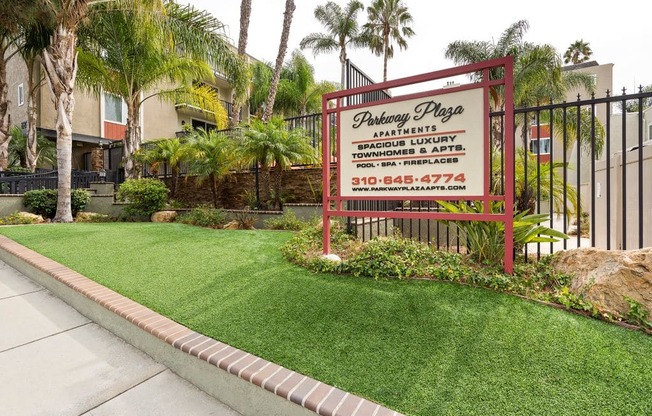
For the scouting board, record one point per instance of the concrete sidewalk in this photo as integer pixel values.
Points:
(54, 361)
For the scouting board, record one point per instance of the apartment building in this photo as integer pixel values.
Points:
(99, 121)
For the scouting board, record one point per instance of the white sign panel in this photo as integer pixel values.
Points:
(430, 146)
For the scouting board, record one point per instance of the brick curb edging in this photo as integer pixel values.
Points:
(304, 391)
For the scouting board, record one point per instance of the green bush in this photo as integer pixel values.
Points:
(287, 221)
(145, 196)
(44, 201)
(204, 217)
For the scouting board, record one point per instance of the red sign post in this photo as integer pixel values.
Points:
(430, 145)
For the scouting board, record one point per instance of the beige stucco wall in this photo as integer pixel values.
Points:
(16, 75)
(86, 118)
(623, 191)
(162, 120)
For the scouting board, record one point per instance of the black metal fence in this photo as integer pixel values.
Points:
(19, 183)
(586, 164)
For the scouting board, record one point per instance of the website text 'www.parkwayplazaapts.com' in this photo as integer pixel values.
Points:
(410, 188)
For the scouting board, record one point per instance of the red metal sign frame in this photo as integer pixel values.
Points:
(332, 204)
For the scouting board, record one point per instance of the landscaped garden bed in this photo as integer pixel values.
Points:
(420, 347)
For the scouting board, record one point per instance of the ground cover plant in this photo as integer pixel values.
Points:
(419, 347)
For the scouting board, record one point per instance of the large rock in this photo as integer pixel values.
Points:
(606, 277)
(164, 216)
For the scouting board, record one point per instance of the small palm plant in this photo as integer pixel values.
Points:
(270, 145)
(536, 184)
(212, 157)
(172, 152)
(485, 240)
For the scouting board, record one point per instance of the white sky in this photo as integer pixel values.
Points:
(618, 33)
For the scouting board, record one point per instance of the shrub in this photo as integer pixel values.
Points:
(287, 221)
(44, 201)
(204, 217)
(93, 217)
(145, 196)
(79, 198)
(18, 218)
(391, 257)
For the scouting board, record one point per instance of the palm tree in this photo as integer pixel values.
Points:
(212, 156)
(537, 70)
(261, 81)
(245, 15)
(183, 59)
(342, 31)
(272, 144)
(282, 47)
(545, 178)
(46, 152)
(388, 23)
(298, 92)
(170, 151)
(34, 37)
(578, 52)
(60, 64)
(11, 17)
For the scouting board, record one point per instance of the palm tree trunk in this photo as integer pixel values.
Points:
(278, 174)
(60, 62)
(32, 140)
(264, 187)
(343, 63)
(386, 52)
(175, 183)
(4, 115)
(287, 22)
(213, 180)
(132, 139)
(245, 15)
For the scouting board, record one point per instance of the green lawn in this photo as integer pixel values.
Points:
(419, 347)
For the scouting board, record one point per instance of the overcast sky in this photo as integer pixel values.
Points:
(618, 33)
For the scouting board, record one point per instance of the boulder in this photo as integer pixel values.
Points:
(606, 277)
(164, 216)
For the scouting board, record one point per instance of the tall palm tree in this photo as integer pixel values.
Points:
(60, 64)
(537, 70)
(212, 156)
(12, 16)
(282, 47)
(64, 18)
(34, 37)
(342, 31)
(245, 17)
(194, 39)
(388, 23)
(272, 144)
(578, 52)
(298, 92)
(261, 81)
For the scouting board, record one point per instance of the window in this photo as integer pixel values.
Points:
(649, 131)
(21, 94)
(540, 146)
(114, 109)
(199, 124)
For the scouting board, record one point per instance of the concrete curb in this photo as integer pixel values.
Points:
(246, 383)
